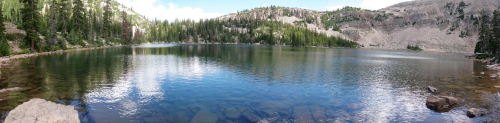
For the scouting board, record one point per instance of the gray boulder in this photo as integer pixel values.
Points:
(40, 111)
(440, 102)
(474, 112)
(431, 89)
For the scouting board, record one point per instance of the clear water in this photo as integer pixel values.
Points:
(244, 83)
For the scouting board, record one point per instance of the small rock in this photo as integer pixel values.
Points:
(474, 112)
(440, 102)
(431, 89)
(480, 77)
(482, 73)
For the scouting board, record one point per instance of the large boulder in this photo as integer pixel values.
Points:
(41, 111)
(440, 102)
(431, 89)
(474, 112)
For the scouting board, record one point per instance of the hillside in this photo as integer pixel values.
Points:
(442, 26)
(93, 10)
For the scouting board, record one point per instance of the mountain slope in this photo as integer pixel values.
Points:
(434, 25)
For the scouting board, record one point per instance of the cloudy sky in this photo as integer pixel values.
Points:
(201, 9)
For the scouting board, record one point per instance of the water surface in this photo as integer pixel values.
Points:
(241, 83)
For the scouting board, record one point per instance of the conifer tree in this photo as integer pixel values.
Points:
(63, 13)
(107, 19)
(52, 38)
(2, 26)
(495, 33)
(31, 22)
(125, 27)
(4, 45)
(78, 18)
(484, 33)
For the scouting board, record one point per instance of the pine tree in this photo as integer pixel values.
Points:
(4, 45)
(125, 27)
(495, 33)
(31, 22)
(107, 19)
(62, 10)
(78, 18)
(52, 38)
(2, 26)
(484, 33)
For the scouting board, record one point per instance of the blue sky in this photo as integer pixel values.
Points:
(204, 9)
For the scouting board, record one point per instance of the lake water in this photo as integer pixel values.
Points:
(245, 83)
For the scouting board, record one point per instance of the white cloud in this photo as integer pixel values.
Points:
(170, 13)
(264, 6)
(379, 4)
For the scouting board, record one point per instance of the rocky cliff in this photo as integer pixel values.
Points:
(434, 25)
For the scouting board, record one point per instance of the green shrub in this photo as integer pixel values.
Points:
(416, 48)
(13, 36)
(4, 47)
(61, 44)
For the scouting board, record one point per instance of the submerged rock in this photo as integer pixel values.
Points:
(431, 89)
(319, 114)
(474, 112)
(493, 76)
(205, 117)
(251, 116)
(302, 114)
(440, 102)
(41, 111)
(7, 90)
(232, 113)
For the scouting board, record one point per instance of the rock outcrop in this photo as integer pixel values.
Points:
(440, 103)
(42, 111)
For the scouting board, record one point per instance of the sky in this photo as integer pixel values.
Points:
(206, 9)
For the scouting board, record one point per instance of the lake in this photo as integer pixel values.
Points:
(247, 83)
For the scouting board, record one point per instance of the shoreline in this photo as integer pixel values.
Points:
(5, 60)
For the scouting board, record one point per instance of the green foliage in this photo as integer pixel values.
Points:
(31, 23)
(463, 34)
(13, 37)
(4, 47)
(416, 48)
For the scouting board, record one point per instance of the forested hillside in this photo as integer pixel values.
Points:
(48, 25)
(443, 26)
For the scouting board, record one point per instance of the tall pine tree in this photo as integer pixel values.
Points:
(78, 18)
(107, 19)
(52, 37)
(125, 27)
(31, 22)
(4, 45)
(63, 15)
